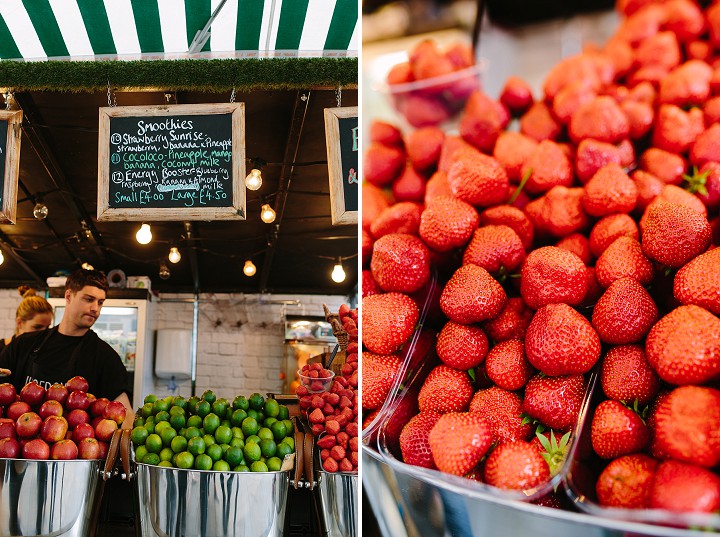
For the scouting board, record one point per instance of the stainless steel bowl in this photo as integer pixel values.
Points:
(338, 496)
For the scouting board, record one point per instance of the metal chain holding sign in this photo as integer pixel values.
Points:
(232, 95)
(112, 100)
(338, 96)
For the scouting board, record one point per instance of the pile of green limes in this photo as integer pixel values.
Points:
(250, 434)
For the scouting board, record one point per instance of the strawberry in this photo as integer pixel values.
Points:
(570, 97)
(374, 202)
(539, 124)
(478, 179)
(423, 147)
(551, 275)
(674, 234)
(497, 249)
(421, 110)
(447, 223)
(621, 55)
(406, 408)
(366, 244)
(400, 262)
(627, 153)
(675, 194)
(507, 366)
(418, 353)
(560, 341)
(591, 156)
(482, 121)
(706, 147)
(608, 229)
(570, 69)
(594, 290)
(616, 430)
(711, 110)
(666, 166)
(705, 184)
(684, 346)
(472, 295)
(625, 313)
(414, 439)
(649, 187)
(548, 166)
(676, 130)
(661, 49)
(712, 14)
(379, 373)
(624, 257)
(511, 322)
(554, 401)
(640, 117)
(609, 191)
(512, 150)
(410, 186)
(559, 212)
(685, 425)
(698, 282)
(447, 153)
(578, 244)
(369, 285)
(458, 441)
(461, 346)
(626, 481)
(627, 376)
(388, 321)
(445, 390)
(553, 451)
(437, 186)
(686, 85)
(516, 95)
(400, 73)
(460, 55)
(428, 61)
(685, 19)
(512, 217)
(503, 409)
(682, 487)
(516, 466)
(383, 164)
(601, 119)
(403, 217)
(385, 133)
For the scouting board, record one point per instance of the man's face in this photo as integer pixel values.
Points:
(83, 308)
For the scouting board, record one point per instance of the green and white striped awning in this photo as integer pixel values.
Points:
(168, 29)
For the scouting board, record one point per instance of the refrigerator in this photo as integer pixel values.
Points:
(124, 323)
(305, 337)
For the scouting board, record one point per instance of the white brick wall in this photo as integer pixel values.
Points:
(9, 301)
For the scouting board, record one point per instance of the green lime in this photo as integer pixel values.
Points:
(167, 436)
(194, 421)
(253, 438)
(160, 426)
(166, 464)
(258, 466)
(150, 424)
(179, 444)
(163, 415)
(209, 396)
(221, 466)
(239, 442)
(252, 413)
(154, 443)
(203, 409)
(166, 454)
(268, 422)
(237, 432)
(271, 408)
(283, 413)
(151, 458)
(237, 417)
(250, 426)
(210, 423)
(180, 402)
(192, 432)
(176, 410)
(138, 435)
(196, 446)
(140, 452)
(191, 402)
(241, 468)
(139, 421)
(252, 452)
(214, 452)
(209, 439)
(185, 460)
(150, 398)
(160, 405)
(268, 448)
(225, 422)
(203, 462)
(224, 447)
(289, 427)
(240, 402)
(177, 421)
(146, 410)
(220, 407)
(256, 401)
(234, 456)
(274, 464)
(290, 441)
(278, 430)
(223, 434)
(265, 434)
(283, 450)
(260, 417)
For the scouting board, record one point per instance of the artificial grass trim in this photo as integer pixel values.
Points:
(212, 75)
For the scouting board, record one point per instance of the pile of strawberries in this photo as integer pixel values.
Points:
(584, 236)
(333, 414)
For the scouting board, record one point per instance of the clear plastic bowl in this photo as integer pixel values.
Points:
(316, 384)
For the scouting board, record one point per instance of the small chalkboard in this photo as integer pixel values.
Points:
(341, 134)
(172, 162)
(10, 129)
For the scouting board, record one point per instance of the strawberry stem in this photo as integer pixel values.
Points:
(524, 180)
(696, 181)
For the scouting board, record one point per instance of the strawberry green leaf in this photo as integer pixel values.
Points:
(696, 181)
(523, 181)
(471, 372)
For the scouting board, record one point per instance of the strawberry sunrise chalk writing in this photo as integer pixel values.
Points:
(170, 162)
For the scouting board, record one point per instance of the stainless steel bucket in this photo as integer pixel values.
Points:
(338, 495)
(48, 498)
(195, 503)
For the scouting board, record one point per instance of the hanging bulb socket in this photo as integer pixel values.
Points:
(253, 181)
(87, 266)
(40, 211)
(2, 258)
(164, 272)
(249, 269)
(338, 272)
(174, 255)
(144, 235)
(267, 213)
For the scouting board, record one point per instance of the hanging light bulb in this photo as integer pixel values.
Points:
(253, 181)
(338, 273)
(144, 235)
(267, 214)
(87, 266)
(40, 211)
(164, 271)
(249, 269)
(174, 255)
(2, 258)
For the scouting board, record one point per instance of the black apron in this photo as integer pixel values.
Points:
(88, 344)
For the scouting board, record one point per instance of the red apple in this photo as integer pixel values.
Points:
(28, 425)
(97, 407)
(9, 448)
(33, 394)
(36, 449)
(77, 384)
(53, 429)
(94, 422)
(2, 411)
(91, 398)
(105, 429)
(104, 448)
(51, 407)
(64, 450)
(89, 448)
(115, 411)
(77, 399)
(7, 394)
(17, 409)
(22, 442)
(57, 392)
(83, 430)
(76, 417)
(68, 434)
(7, 428)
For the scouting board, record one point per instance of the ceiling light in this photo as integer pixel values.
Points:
(164, 271)
(253, 181)
(144, 235)
(2, 258)
(249, 269)
(87, 266)
(267, 214)
(174, 255)
(40, 211)
(338, 273)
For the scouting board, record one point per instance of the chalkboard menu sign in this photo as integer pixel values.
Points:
(10, 128)
(341, 134)
(172, 162)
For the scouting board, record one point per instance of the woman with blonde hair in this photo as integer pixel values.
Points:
(33, 314)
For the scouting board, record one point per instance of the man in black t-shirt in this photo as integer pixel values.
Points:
(71, 348)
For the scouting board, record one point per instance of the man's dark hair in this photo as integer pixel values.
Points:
(82, 277)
